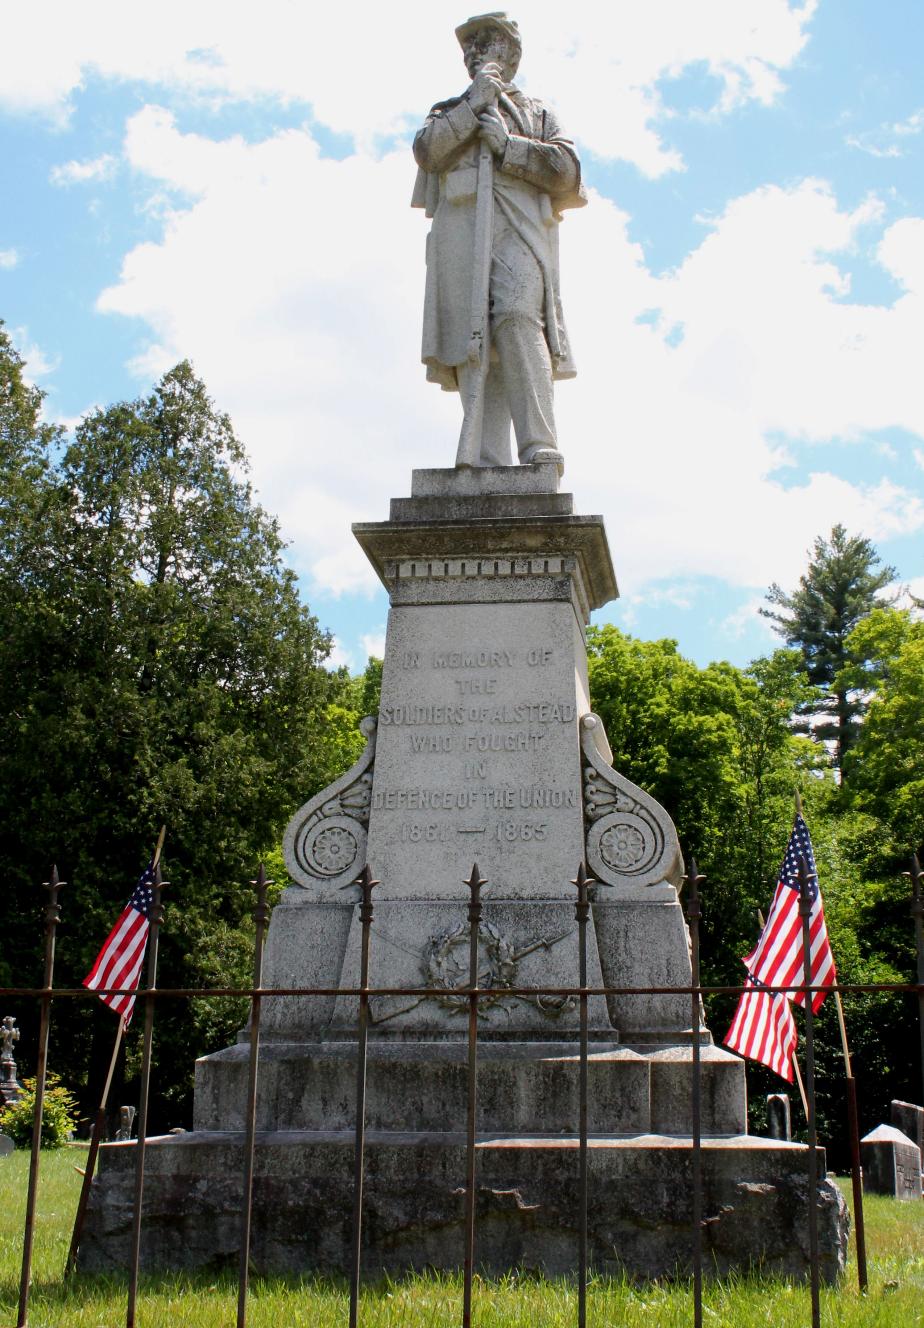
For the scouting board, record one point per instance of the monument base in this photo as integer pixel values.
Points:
(639, 1204)
(524, 1087)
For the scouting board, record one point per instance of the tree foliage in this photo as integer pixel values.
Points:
(157, 666)
(714, 746)
(886, 766)
(842, 584)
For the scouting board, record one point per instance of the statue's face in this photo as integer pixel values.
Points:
(487, 45)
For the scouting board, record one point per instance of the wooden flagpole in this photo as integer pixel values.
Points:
(853, 1127)
(856, 1169)
(795, 1066)
(99, 1123)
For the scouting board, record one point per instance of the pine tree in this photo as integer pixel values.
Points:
(843, 583)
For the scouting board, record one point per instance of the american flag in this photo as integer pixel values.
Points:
(764, 1030)
(763, 1021)
(120, 961)
(777, 959)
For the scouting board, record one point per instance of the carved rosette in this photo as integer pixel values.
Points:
(325, 841)
(630, 839)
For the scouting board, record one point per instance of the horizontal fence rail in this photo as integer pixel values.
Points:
(181, 993)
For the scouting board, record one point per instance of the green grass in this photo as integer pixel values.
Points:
(895, 1243)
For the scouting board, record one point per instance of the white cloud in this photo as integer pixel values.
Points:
(8, 258)
(373, 643)
(366, 72)
(83, 172)
(338, 658)
(38, 364)
(70, 422)
(294, 282)
(887, 140)
(746, 617)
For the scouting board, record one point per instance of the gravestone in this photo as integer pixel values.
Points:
(908, 1118)
(126, 1123)
(779, 1122)
(891, 1163)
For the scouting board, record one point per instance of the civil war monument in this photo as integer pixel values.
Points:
(485, 749)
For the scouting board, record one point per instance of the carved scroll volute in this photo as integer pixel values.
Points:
(325, 841)
(629, 837)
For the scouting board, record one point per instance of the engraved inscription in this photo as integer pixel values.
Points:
(525, 712)
(473, 742)
(474, 659)
(427, 832)
(431, 742)
(514, 832)
(531, 797)
(476, 686)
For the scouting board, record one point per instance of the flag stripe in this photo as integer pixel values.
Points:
(778, 958)
(119, 963)
(763, 1030)
(122, 939)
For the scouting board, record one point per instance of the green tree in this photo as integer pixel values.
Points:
(714, 746)
(843, 583)
(25, 443)
(156, 665)
(886, 765)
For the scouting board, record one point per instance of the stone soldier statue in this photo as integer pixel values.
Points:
(495, 174)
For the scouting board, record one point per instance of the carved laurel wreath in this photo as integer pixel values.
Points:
(445, 968)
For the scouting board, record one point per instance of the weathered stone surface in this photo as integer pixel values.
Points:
(484, 481)
(639, 1204)
(644, 944)
(325, 841)
(779, 1121)
(891, 1163)
(908, 1118)
(305, 948)
(424, 943)
(524, 1087)
(477, 757)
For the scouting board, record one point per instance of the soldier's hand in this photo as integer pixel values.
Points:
(486, 87)
(494, 132)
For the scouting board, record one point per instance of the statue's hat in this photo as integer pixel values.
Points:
(497, 19)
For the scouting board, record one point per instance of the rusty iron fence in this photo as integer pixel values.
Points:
(472, 993)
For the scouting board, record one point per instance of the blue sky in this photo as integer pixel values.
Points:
(745, 294)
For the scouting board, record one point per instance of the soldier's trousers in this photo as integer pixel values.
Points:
(518, 388)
